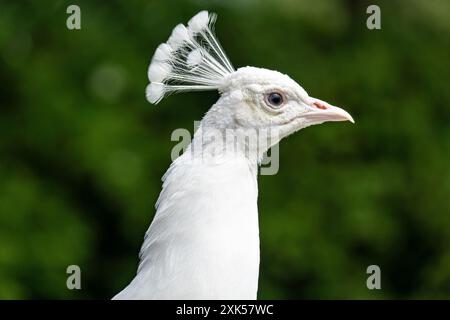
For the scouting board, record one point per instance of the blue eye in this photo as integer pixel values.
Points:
(274, 99)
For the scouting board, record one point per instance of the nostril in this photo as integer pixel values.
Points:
(320, 105)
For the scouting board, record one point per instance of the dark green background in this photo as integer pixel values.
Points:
(82, 152)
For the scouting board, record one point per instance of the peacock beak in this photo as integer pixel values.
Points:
(322, 111)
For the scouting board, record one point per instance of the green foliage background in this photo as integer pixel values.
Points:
(82, 152)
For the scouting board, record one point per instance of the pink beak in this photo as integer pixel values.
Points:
(323, 111)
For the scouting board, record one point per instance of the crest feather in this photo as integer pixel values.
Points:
(192, 59)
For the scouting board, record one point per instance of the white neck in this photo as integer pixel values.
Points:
(203, 242)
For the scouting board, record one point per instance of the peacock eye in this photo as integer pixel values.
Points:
(274, 99)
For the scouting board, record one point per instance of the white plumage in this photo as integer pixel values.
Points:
(198, 245)
(203, 242)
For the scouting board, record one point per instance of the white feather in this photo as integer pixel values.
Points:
(163, 52)
(199, 22)
(194, 58)
(179, 36)
(154, 92)
(158, 71)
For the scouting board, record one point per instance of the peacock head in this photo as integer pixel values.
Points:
(251, 98)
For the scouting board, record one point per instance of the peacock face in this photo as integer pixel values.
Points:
(266, 99)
